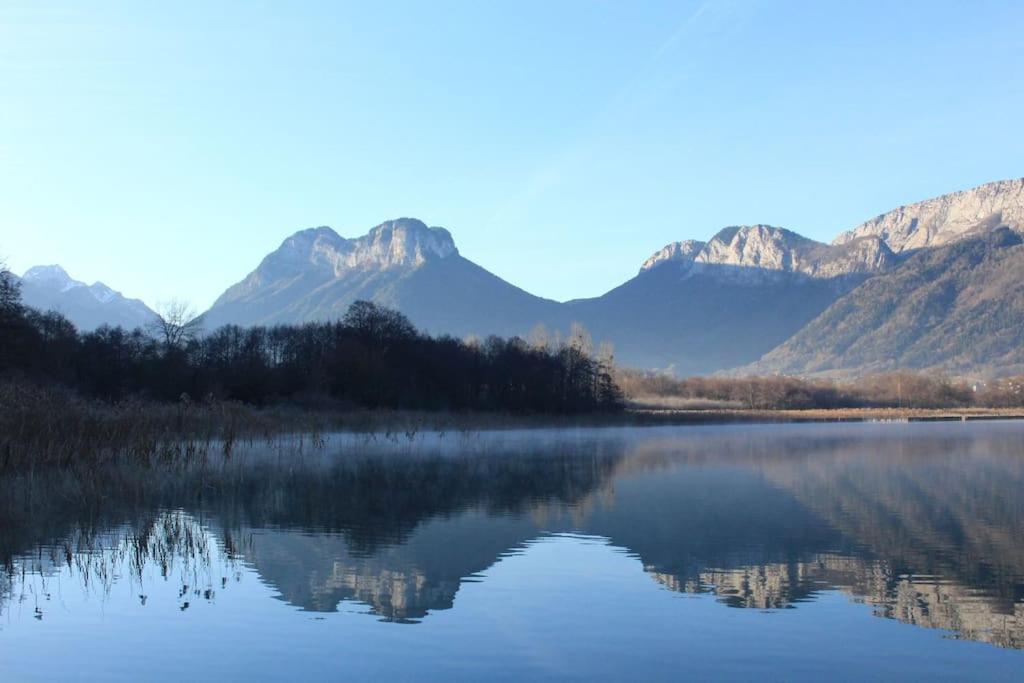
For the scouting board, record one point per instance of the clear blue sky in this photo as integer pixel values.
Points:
(165, 148)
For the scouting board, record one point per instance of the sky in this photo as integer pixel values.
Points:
(165, 148)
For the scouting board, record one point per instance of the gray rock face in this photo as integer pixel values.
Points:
(49, 288)
(316, 275)
(863, 255)
(948, 218)
(402, 243)
(763, 247)
(405, 242)
(683, 252)
(756, 252)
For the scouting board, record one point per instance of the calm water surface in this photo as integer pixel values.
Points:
(778, 552)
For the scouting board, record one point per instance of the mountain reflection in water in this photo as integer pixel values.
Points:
(921, 522)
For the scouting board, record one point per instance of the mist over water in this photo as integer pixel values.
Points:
(847, 551)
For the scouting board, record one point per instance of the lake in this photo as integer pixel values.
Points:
(785, 552)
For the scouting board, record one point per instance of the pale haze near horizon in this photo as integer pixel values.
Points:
(166, 148)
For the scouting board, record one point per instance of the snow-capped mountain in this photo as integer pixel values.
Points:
(87, 306)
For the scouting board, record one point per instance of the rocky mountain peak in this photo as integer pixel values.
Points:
(760, 246)
(50, 287)
(323, 255)
(684, 251)
(401, 242)
(52, 276)
(103, 293)
(315, 246)
(758, 251)
(947, 218)
(56, 279)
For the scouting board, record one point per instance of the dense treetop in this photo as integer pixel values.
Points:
(373, 357)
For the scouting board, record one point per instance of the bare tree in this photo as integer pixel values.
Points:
(580, 339)
(540, 338)
(176, 323)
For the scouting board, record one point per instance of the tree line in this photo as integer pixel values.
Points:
(371, 358)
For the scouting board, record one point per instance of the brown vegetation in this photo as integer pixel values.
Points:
(45, 426)
(906, 390)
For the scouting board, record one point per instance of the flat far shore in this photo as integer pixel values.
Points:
(741, 415)
(75, 432)
(58, 429)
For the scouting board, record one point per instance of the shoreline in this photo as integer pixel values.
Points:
(71, 431)
(827, 415)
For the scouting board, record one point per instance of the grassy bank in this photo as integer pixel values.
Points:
(45, 427)
(50, 427)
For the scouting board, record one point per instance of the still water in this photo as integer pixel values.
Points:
(777, 552)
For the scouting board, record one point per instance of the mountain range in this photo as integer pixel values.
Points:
(936, 284)
(960, 306)
(87, 306)
(695, 307)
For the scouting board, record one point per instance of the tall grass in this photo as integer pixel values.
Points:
(53, 427)
(44, 426)
(50, 427)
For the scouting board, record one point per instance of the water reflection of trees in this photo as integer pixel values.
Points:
(923, 529)
(356, 515)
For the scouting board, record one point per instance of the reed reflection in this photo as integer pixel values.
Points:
(920, 523)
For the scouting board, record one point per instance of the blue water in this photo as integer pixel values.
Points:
(774, 552)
